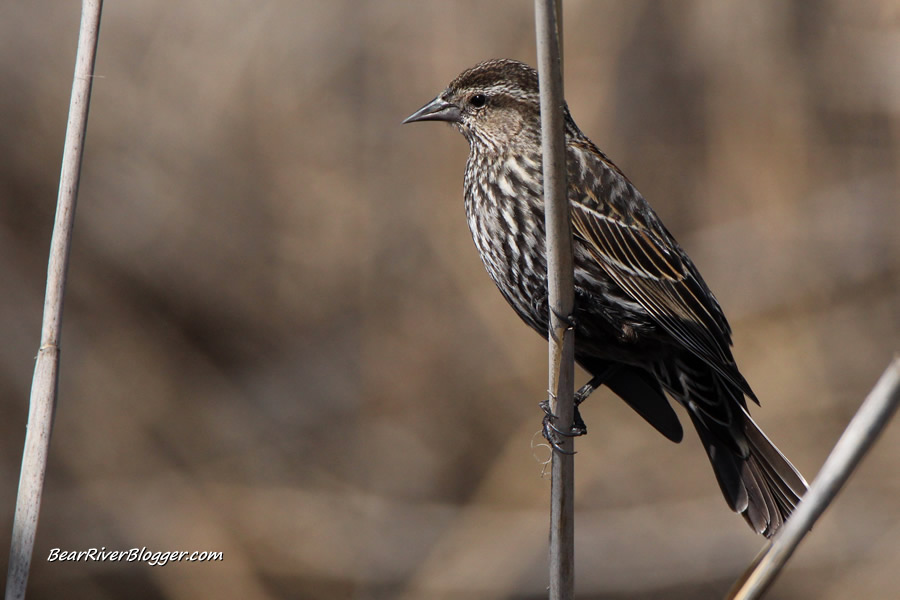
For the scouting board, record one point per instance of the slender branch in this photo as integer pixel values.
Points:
(561, 293)
(868, 423)
(44, 385)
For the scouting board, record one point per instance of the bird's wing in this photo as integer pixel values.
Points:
(631, 245)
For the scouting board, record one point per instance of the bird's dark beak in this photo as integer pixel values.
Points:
(436, 110)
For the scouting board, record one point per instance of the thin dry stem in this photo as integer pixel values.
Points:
(560, 283)
(859, 437)
(46, 371)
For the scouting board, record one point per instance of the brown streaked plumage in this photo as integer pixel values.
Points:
(645, 320)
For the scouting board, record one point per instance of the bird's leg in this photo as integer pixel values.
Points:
(578, 425)
(587, 389)
(581, 395)
(551, 432)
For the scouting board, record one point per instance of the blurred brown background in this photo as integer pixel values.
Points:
(280, 344)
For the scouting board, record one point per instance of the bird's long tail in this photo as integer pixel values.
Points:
(755, 477)
(763, 486)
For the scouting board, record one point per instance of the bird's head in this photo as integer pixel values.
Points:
(494, 104)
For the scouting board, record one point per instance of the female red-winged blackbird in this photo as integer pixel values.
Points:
(645, 321)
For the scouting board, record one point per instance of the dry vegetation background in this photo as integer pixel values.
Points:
(279, 342)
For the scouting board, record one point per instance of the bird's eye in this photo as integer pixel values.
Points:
(478, 100)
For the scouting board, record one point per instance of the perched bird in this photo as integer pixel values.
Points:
(645, 321)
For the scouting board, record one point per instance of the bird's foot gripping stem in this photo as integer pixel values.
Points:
(569, 319)
(552, 433)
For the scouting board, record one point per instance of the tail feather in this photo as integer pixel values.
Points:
(791, 482)
(764, 487)
(726, 465)
(784, 481)
(755, 477)
(770, 483)
(763, 512)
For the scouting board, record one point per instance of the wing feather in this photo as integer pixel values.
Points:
(650, 267)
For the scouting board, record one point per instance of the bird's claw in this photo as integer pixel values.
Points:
(552, 433)
(569, 319)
